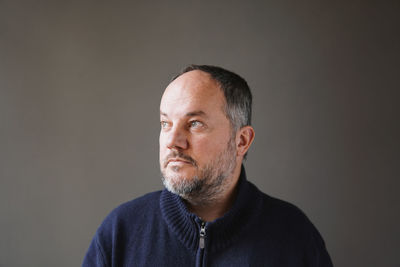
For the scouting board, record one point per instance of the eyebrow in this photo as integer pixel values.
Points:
(189, 114)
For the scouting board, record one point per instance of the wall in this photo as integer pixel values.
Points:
(80, 84)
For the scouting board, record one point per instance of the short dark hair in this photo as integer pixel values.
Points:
(236, 91)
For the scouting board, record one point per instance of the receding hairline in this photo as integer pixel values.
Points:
(205, 83)
(198, 72)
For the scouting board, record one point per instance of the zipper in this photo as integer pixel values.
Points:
(202, 235)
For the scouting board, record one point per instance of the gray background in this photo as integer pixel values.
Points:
(80, 87)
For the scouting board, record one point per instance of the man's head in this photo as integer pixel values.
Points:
(238, 98)
(205, 114)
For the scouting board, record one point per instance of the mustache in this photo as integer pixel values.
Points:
(178, 155)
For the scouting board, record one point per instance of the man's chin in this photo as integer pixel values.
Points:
(176, 177)
(182, 188)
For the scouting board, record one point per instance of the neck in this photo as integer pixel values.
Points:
(211, 210)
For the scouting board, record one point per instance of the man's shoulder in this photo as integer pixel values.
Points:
(135, 209)
(281, 207)
(285, 227)
(142, 202)
(282, 213)
(270, 204)
(128, 223)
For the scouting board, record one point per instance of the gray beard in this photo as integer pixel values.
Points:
(210, 184)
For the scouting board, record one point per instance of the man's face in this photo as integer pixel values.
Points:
(197, 147)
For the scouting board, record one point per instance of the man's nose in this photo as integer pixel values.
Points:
(177, 139)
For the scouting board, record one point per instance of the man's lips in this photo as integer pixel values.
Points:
(176, 160)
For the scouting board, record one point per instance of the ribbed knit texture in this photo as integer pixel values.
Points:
(158, 230)
(222, 231)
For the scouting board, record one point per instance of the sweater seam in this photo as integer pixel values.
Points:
(101, 252)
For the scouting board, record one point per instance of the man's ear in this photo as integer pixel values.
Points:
(244, 138)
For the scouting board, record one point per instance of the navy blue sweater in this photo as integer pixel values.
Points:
(158, 230)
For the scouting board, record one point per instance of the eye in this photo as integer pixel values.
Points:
(196, 124)
(163, 124)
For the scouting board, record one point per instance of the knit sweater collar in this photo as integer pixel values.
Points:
(220, 232)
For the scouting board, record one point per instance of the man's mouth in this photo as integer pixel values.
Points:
(178, 160)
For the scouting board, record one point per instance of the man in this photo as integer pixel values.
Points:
(209, 214)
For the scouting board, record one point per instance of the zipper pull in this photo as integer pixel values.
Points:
(202, 234)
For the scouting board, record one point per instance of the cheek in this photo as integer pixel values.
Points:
(161, 143)
(207, 148)
(162, 139)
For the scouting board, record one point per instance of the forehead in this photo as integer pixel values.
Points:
(193, 91)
